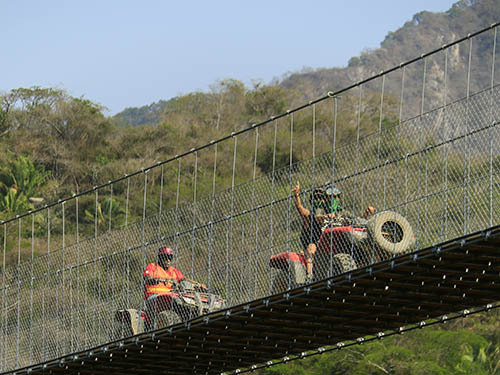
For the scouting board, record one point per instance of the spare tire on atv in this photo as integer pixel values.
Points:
(391, 232)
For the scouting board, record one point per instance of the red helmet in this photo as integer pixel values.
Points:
(165, 253)
(165, 250)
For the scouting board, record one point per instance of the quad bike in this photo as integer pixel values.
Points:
(186, 300)
(346, 243)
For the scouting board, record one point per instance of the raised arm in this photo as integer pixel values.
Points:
(304, 212)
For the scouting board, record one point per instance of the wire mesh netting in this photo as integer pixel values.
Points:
(430, 169)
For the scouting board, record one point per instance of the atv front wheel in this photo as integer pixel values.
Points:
(391, 232)
(167, 318)
(343, 263)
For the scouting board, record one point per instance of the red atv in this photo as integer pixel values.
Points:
(345, 244)
(187, 300)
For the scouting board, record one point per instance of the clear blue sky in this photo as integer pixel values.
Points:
(124, 53)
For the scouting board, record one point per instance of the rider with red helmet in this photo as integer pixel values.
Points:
(160, 277)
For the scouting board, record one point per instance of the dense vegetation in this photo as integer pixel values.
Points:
(468, 346)
(53, 145)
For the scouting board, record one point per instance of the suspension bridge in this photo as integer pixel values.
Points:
(432, 163)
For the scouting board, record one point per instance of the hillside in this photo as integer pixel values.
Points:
(425, 32)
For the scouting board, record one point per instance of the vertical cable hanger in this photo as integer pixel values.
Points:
(358, 129)
(19, 221)
(212, 217)
(230, 260)
(468, 148)
(256, 213)
(420, 150)
(110, 207)
(71, 306)
(334, 141)
(400, 124)
(160, 204)
(31, 288)
(128, 252)
(492, 119)
(380, 123)
(45, 346)
(110, 226)
(177, 211)
(271, 247)
(444, 225)
(77, 229)
(56, 308)
(143, 240)
(177, 207)
(63, 250)
(96, 293)
(193, 230)
(290, 163)
(4, 290)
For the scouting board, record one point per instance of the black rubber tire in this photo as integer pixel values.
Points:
(280, 281)
(343, 263)
(387, 224)
(167, 318)
(122, 329)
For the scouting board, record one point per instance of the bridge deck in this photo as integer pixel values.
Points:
(428, 283)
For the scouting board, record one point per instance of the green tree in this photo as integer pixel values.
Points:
(109, 212)
(20, 180)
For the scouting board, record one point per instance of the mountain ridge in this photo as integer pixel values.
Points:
(426, 31)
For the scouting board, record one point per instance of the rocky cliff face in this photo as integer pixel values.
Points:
(427, 31)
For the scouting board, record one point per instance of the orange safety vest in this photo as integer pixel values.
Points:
(154, 271)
